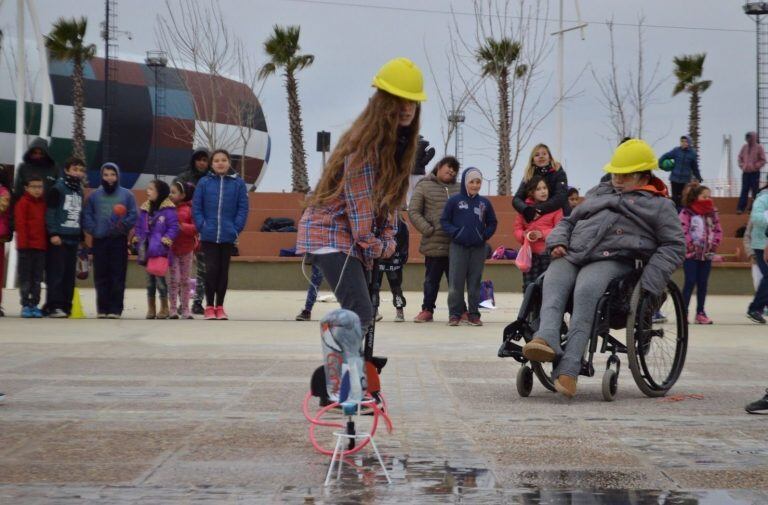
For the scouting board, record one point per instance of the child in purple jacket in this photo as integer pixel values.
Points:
(703, 234)
(158, 225)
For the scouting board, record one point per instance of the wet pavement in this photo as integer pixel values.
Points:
(136, 411)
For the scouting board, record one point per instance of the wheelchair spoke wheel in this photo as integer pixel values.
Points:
(543, 371)
(656, 343)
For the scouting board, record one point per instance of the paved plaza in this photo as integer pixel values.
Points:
(137, 411)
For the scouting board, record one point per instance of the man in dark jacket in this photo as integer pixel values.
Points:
(37, 162)
(199, 165)
(424, 211)
(63, 218)
(683, 163)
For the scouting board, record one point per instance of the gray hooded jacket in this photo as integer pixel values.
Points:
(611, 225)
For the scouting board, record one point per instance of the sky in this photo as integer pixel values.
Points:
(351, 39)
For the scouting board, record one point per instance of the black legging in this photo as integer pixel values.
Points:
(216, 271)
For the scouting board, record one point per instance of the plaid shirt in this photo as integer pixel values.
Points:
(348, 219)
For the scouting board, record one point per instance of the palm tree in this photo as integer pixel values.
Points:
(282, 47)
(688, 70)
(67, 42)
(496, 59)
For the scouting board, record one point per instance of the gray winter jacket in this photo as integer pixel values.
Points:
(610, 225)
(425, 210)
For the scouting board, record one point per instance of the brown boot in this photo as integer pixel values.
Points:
(164, 312)
(566, 385)
(538, 350)
(151, 307)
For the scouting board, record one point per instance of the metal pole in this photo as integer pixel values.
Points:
(21, 86)
(456, 139)
(560, 82)
(21, 83)
(323, 159)
(105, 111)
(154, 126)
(45, 115)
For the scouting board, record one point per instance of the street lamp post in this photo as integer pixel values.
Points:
(156, 60)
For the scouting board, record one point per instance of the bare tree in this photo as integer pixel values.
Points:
(643, 90)
(194, 35)
(244, 111)
(519, 104)
(452, 93)
(627, 98)
(614, 95)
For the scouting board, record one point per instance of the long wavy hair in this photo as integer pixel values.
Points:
(530, 169)
(372, 138)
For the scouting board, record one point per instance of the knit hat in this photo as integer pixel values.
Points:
(470, 174)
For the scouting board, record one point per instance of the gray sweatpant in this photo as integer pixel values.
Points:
(352, 292)
(588, 284)
(465, 267)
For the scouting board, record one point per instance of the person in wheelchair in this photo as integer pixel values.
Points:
(620, 221)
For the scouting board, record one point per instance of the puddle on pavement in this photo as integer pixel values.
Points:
(415, 480)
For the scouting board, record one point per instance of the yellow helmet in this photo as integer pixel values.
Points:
(634, 155)
(401, 77)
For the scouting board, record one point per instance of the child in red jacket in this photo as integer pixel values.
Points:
(537, 231)
(31, 242)
(183, 250)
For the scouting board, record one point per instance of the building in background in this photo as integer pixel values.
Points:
(186, 111)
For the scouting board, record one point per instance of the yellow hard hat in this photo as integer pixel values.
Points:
(634, 155)
(401, 77)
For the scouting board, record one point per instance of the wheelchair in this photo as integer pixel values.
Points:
(655, 348)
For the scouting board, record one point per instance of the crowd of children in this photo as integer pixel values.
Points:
(54, 221)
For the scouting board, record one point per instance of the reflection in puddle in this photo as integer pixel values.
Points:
(424, 481)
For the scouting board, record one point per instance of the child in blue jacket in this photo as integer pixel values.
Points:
(470, 221)
(220, 210)
(110, 214)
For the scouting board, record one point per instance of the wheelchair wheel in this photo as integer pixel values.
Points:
(656, 350)
(524, 381)
(610, 384)
(543, 371)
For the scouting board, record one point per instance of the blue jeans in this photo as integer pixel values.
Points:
(761, 295)
(156, 284)
(314, 286)
(750, 182)
(696, 274)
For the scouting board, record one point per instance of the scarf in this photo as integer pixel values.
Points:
(703, 207)
(403, 132)
(73, 183)
(108, 188)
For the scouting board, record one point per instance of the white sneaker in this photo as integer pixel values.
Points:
(58, 314)
(379, 316)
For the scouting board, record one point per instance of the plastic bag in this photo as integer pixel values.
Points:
(487, 298)
(524, 257)
(498, 254)
(342, 344)
(83, 264)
